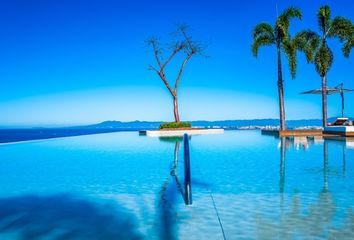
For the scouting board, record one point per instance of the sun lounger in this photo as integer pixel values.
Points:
(340, 121)
(341, 126)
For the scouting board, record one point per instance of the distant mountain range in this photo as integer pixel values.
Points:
(224, 124)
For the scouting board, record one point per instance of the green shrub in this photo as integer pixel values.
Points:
(171, 139)
(175, 125)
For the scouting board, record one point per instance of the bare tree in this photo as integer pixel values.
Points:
(182, 45)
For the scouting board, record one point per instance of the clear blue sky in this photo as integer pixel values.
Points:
(77, 62)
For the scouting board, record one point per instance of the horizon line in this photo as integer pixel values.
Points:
(55, 125)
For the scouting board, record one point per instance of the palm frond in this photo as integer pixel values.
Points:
(348, 47)
(263, 29)
(291, 12)
(290, 52)
(262, 40)
(323, 60)
(308, 42)
(324, 18)
(283, 21)
(342, 28)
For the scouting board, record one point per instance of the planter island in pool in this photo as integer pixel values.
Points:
(180, 132)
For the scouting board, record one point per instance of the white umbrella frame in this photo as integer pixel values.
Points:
(337, 89)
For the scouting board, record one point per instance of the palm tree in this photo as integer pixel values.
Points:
(316, 48)
(266, 35)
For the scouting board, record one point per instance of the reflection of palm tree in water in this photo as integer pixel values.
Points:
(323, 212)
(318, 220)
(282, 170)
(282, 165)
(329, 171)
(325, 166)
(344, 149)
(284, 145)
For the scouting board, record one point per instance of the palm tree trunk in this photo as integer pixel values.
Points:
(281, 92)
(324, 100)
(175, 109)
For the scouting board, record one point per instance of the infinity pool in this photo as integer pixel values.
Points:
(125, 186)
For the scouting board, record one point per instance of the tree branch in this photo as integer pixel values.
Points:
(163, 78)
(156, 51)
(153, 68)
(175, 51)
(161, 74)
(188, 40)
(181, 71)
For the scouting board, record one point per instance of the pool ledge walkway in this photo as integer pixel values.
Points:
(308, 133)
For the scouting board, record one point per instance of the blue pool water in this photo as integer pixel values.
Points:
(125, 186)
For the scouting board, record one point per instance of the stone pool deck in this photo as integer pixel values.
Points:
(308, 133)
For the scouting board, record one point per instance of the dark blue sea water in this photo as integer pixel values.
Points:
(16, 135)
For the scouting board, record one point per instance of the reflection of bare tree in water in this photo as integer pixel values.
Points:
(316, 221)
(169, 194)
(167, 213)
